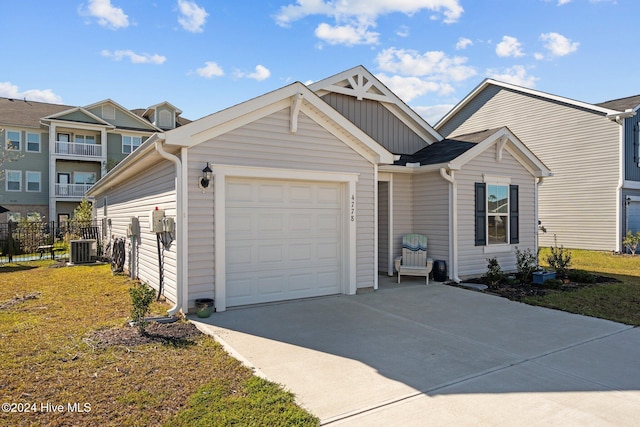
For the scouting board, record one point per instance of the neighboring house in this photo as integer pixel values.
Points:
(311, 190)
(593, 197)
(51, 153)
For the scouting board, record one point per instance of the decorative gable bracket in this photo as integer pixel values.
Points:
(296, 105)
(500, 147)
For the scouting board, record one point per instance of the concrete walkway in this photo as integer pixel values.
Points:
(439, 356)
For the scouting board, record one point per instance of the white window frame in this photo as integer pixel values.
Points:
(39, 142)
(84, 174)
(130, 145)
(6, 142)
(39, 181)
(8, 172)
(503, 181)
(82, 139)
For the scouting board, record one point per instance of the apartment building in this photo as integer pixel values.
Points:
(51, 154)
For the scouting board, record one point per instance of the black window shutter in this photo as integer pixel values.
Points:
(514, 221)
(481, 214)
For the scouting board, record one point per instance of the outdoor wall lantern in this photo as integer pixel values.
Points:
(206, 177)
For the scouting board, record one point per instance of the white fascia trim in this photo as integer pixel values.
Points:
(631, 185)
(521, 89)
(79, 125)
(220, 174)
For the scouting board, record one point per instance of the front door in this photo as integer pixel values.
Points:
(63, 184)
(63, 143)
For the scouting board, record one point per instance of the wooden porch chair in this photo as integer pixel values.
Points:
(414, 261)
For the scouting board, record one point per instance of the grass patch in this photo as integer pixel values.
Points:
(619, 302)
(48, 324)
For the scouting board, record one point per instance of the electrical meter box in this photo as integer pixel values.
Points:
(168, 224)
(133, 228)
(156, 221)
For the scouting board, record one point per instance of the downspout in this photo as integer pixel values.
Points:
(536, 232)
(453, 223)
(180, 224)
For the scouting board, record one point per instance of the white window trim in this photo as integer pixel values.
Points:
(26, 145)
(26, 187)
(7, 181)
(6, 140)
(132, 137)
(502, 181)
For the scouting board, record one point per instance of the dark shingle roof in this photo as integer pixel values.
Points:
(622, 104)
(446, 150)
(20, 112)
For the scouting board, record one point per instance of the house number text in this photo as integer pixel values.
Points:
(353, 208)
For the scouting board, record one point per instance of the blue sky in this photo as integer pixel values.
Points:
(203, 56)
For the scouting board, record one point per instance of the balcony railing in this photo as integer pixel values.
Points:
(72, 190)
(78, 149)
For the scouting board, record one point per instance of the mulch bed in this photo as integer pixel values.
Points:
(517, 292)
(176, 333)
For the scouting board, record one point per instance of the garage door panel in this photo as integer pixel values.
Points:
(284, 240)
(633, 216)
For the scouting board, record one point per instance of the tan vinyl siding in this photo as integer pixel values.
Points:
(137, 198)
(431, 213)
(582, 149)
(403, 200)
(472, 260)
(269, 143)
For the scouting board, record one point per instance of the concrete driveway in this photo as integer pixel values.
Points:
(439, 355)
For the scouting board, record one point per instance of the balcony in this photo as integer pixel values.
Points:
(76, 149)
(72, 191)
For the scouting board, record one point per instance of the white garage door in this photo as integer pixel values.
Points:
(633, 216)
(283, 240)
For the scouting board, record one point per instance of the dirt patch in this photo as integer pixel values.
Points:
(18, 299)
(177, 333)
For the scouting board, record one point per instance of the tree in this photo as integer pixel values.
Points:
(83, 213)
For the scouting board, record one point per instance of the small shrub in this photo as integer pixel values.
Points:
(631, 242)
(552, 284)
(494, 275)
(142, 296)
(559, 259)
(581, 276)
(526, 263)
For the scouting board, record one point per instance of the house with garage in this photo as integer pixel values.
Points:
(593, 197)
(308, 190)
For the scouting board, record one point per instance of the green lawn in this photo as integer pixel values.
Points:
(619, 302)
(49, 355)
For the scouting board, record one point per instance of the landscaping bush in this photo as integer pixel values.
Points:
(526, 263)
(559, 259)
(494, 275)
(631, 242)
(581, 276)
(552, 284)
(142, 296)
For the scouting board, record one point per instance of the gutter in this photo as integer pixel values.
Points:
(180, 224)
(453, 222)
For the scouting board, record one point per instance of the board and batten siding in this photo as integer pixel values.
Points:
(137, 197)
(582, 150)
(268, 142)
(632, 148)
(378, 122)
(472, 260)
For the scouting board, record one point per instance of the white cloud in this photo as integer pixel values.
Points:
(108, 15)
(516, 75)
(558, 45)
(408, 88)
(135, 58)
(432, 64)
(9, 90)
(192, 17)
(563, 2)
(402, 31)
(463, 43)
(346, 34)
(210, 69)
(509, 46)
(357, 16)
(261, 73)
(432, 114)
